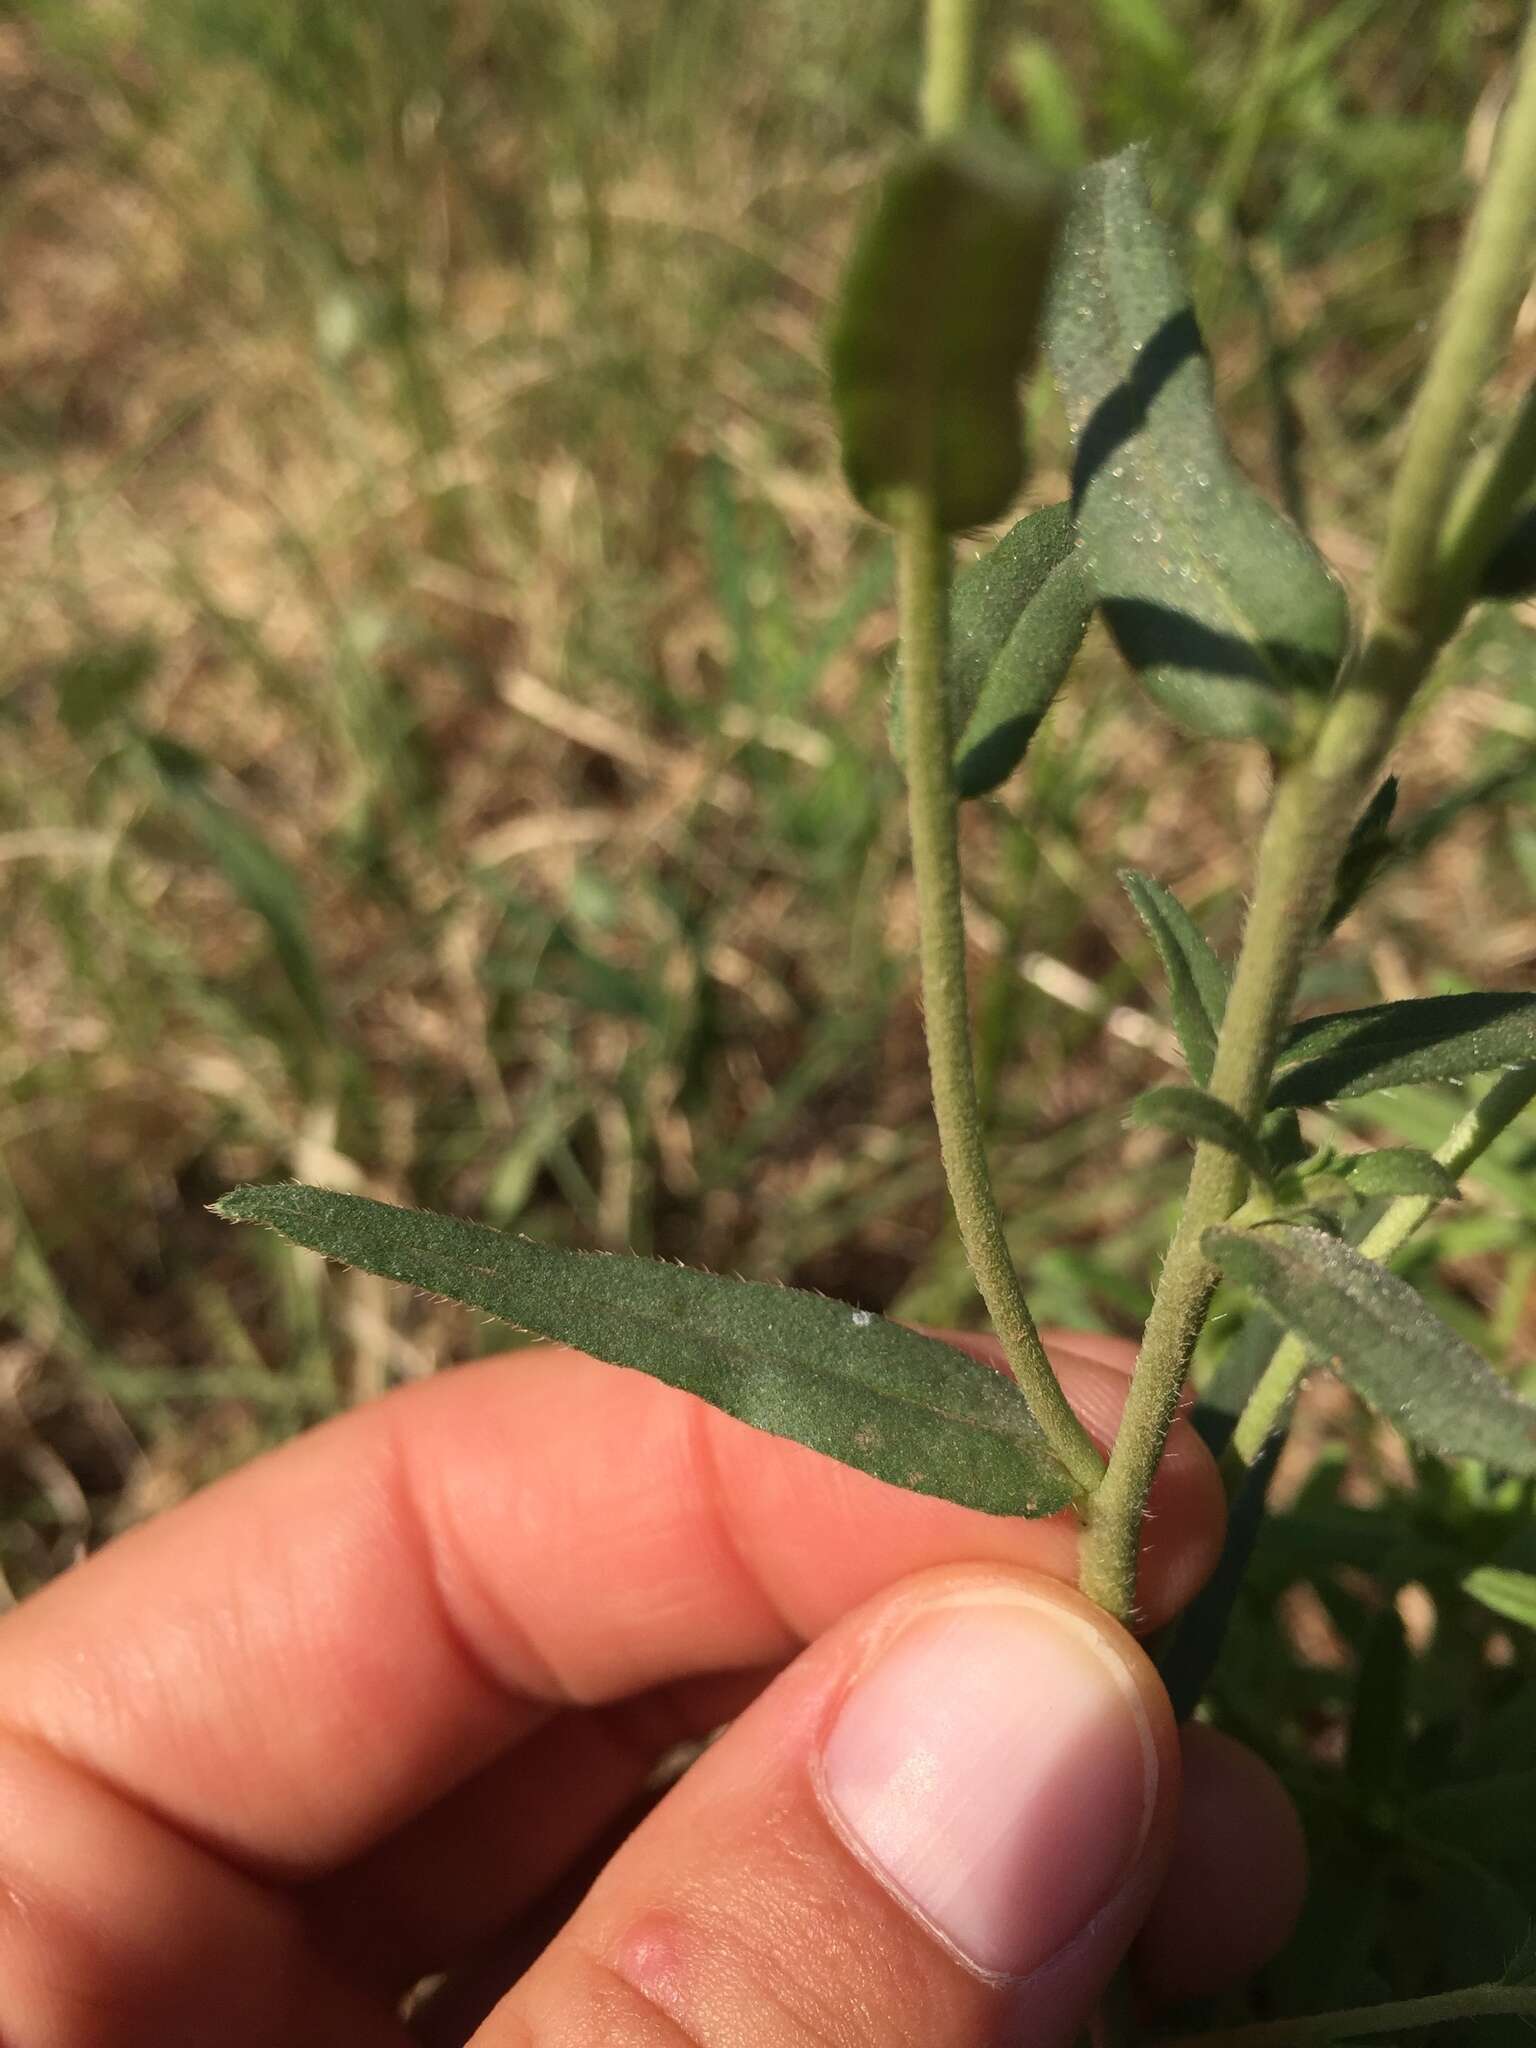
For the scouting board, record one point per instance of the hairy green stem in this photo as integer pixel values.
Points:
(949, 62)
(922, 561)
(1357, 2023)
(1398, 1221)
(1316, 803)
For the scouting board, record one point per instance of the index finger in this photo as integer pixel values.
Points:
(291, 1664)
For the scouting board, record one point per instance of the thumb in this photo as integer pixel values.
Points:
(943, 1823)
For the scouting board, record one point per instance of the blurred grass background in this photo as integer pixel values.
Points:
(442, 722)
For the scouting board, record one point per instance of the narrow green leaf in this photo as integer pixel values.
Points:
(1378, 1722)
(1016, 620)
(95, 685)
(1197, 981)
(1382, 1340)
(1017, 616)
(1189, 1650)
(1398, 1170)
(936, 322)
(260, 877)
(1509, 1594)
(1192, 1114)
(1428, 1038)
(1510, 571)
(884, 1399)
(1225, 611)
(1369, 850)
(1283, 1141)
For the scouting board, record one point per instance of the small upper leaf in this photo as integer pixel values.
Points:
(1204, 1120)
(1032, 582)
(1221, 606)
(866, 1391)
(1197, 981)
(1383, 1340)
(1369, 850)
(1017, 616)
(1399, 1170)
(936, 322)
(1428, 1038)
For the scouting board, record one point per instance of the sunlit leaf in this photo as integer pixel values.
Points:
(866, 1391)
(1226, 612)
(1398, 1170)
(1002, 682)
(1197, 981)
(1383, 1340)
(1017, 616)
(1426, 1038)
(1507, 1593)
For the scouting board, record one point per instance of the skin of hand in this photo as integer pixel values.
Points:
(351, 1713)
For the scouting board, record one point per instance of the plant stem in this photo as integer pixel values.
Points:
(1472, 1136)
(922, 563)
(1492, 277)
(1476, 2001)
(1316, 803)
(948, 65)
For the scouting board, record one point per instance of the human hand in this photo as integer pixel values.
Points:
(348, 1715)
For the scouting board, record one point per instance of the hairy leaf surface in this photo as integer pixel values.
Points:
(1204, 1120)
(1197, 982)
(866, 1391)
(1426, 1038)
(1383, 1340)
(1222, 607)
(1399, 1170)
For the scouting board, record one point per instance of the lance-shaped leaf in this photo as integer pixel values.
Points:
(1188, 1651)
(881, 1398)
(1197, 981)
(1225, 611)
(936, 322)
(1017, 616)
(1427, 1038)
(1399, 1170)
(1369, 850)
(1510, 571)
(1204, 1120)
(1508, 1593)
(1032, 586)
(1383, 1340)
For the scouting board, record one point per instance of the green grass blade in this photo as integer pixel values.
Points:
(1191, 1113)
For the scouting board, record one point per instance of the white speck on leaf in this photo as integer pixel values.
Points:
(862, 1319)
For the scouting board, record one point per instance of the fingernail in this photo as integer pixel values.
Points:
(995, 1769)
